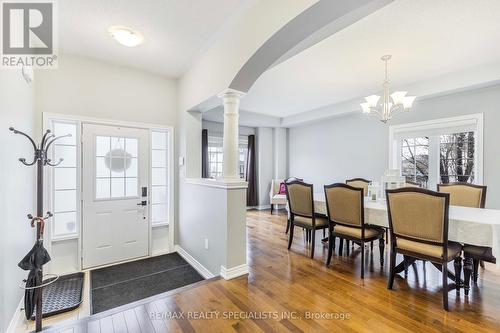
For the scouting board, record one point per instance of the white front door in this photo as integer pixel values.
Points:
(115, 181)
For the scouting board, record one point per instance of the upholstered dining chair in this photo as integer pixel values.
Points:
(301, 207)
(363, 183)
(359, 183)
(469, 195)
(345, 208)
(411, 184)
(418, 222)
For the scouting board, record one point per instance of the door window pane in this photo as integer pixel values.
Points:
(131, 187)
(117, 187)
(65, 201)
(64, 223)
(65, 179)
(102, 188)
(159, 159)
(67, 153)
(159, 194)
(159, 213)
(116, 167)
(159, 174)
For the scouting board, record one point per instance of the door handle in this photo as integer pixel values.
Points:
(142, 203)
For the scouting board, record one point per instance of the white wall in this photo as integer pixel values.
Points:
(16, 188)
(357, 145)
(90, 88)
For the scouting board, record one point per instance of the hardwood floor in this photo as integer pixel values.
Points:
(285, 288)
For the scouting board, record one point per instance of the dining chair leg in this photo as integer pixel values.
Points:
(341, 246)
(445, 286)
(381, 246)
(272, 209)
(467, 274)
(290, 236)
(323, 233)
(387, 235)
(313, 234)
(458, 272)
(287, 226)
(331, 245)
(347, 247)
(392, 266)
(475, 265)
(362, 260)
(371, 246)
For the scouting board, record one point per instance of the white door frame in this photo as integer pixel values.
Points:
(47, 117)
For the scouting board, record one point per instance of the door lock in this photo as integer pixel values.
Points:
(142, 203)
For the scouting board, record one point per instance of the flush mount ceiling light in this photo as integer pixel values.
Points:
(126, 36)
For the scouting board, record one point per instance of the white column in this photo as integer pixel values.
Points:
(231, 102)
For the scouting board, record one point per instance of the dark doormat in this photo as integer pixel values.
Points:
(61, 296)
(125, 283)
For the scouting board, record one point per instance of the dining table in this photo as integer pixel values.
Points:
(467, 225)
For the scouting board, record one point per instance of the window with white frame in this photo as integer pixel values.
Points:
(65, 196)
(159, 177)
(439, 151)
(216, 156)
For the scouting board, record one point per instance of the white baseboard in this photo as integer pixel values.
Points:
(193, 262)
(16, 318)
(233, 272)
(262, 207)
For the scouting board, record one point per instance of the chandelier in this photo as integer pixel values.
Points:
(391, 103)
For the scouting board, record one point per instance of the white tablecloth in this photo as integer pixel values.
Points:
(473, 226)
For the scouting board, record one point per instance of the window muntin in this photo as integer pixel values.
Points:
(159, 177)
(64, 180)
(116, 168)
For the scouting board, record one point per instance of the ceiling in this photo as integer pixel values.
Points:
(176, 32)
(427, 39)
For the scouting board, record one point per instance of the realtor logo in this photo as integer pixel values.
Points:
(28, 34)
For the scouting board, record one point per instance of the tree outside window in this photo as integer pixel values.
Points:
(456, 162)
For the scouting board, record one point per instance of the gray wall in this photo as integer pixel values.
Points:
(357, 145)
(16, 188)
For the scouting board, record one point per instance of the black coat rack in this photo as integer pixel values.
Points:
(40, 159)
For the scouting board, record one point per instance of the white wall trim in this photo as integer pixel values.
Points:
(476, 119)
(234, 272)
(193, 262)
(261, 207)
(16, 318)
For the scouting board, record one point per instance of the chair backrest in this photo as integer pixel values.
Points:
(275, 185)
(464, 194)
(418, 214)
(345, 204)
(359, 183)
(300, 198)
